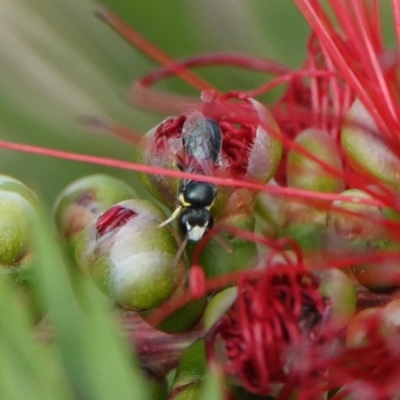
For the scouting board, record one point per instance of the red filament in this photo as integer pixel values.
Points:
(112, 219)
(272, 313)
(237, 135)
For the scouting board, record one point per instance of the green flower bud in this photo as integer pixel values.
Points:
(16, 218)
(185, 318)
(190, 373)
(266, 151)
(351, 228)
(270, 212)
(342, 296)
(161, 154)
(304, 173)
(391, 318)
(383, 276)
(363, 234)
(19, 208)
(129, 258)
(389, 213)
(362, 326)
(304, 223)
(85, 199)
(218, 306)
(9, 184)
(366, 149)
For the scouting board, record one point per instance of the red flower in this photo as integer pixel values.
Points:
(277, 313)
(237, 141)
(358, 54)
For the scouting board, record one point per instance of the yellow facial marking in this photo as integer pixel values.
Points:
(182, 201)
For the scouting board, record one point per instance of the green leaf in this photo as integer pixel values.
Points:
(95, 358)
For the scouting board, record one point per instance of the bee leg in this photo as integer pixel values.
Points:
(179, 253)
(171, 218)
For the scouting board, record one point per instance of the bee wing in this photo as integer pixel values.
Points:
(201, 138)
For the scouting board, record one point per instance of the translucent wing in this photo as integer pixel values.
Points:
(202, 139)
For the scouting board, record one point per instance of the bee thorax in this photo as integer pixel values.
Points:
(197, 194)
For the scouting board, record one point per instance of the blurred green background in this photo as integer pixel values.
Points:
(58, 63)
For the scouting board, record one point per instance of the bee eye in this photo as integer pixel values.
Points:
(182, 220)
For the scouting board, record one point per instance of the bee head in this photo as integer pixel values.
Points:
(194, 222)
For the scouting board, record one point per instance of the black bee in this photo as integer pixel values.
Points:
(202, 141)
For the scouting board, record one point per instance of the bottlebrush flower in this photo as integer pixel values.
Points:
(277, 312)
(348, 89)
(357, 52)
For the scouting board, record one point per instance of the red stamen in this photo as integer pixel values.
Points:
(273, 312)
(396, 17)
(133, 37)
(112, 219)
(120, 131)
(171, 128)
(231, 182)
(367, 78)
(141, 95)
(197, 282)
(216, 59)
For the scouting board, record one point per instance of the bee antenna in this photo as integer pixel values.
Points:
(171, 218)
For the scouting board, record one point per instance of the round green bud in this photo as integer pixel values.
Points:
(366, 148)
(381, 276)
(162, 188)
(270, 211)
(391, 318)
(304, 173)
(342, 296)
(361, 229)
(10, 184)
(266, 151)
(129, 258)
(16, 218)
(354, 221)
(183, 319)
(85, 199)
(304, 223)
(362, 326)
